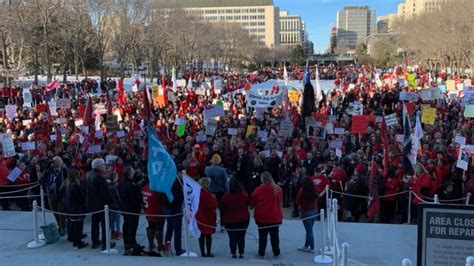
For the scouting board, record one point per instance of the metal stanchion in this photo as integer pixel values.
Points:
(468, 198)
(345, 250)
(334, 233)
(36, 243)
(436, 199)
(410, 195)
(43, 212)
(406, 262)
(329, 222)
(108, 250)
(336, 217)
(323, 258)
(186, 239)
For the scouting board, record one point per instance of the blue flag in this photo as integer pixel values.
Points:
(307, 75)
(161, 167)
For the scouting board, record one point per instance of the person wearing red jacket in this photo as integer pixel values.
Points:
(391, 186)
(235, 216)
(266, 200)
(4, 182)
(206, 217)
(420, 184)
(320, 182)
(153, 203)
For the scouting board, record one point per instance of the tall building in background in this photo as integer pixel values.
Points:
(333, 40)
(411, 8)
(354, 24)
(308, 45)
(258, 17)
(291, 30)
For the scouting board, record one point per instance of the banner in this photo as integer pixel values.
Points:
(428, 116)
(161, 167)
(192, 194)
(264, 101)
(360, 123)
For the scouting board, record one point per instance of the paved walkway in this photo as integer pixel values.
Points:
(370, 244)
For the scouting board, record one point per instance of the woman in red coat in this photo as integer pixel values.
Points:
(206, 217)
(235, 215)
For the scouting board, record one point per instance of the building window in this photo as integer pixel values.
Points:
(228, 11)
(222, 17)
(229, 17)
(246, 24)
(236, 11)
(245, 10)
(261, 17)
(261, 10)
(245, 17)
(237, 17)
(262, 23)
(253, 10)
(261, 30)
(253, 17)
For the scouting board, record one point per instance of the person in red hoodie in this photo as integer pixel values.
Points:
(153, 203)
(420, 184)
(235, 216)
(206, 217)
(266, 200)
(391, 186)
(21, 182)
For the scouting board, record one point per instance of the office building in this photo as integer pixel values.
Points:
(291, 30)
(258, 17)
(353, 24)
(411, 8)
(332, 40)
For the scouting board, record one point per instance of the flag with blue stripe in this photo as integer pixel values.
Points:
(161, 167)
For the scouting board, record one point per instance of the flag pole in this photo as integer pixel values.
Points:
(186, 234)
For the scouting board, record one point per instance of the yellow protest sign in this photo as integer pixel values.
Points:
(250, 130)
(450, 85)
(293, 96)
(428, 116)
(155, 94)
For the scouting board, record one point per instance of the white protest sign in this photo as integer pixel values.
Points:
(63, 103)
(181, 83)
(391, 120)
(78, 123)
(28, 146)
(262, 134)
(329, 128)
(337, 144)
(286, 128)
(120, 134)
(201, 138)
(110, 159)
(460, 140)
(11, 111)
(463, 158)
(400, 138)
(27, 97)
(409, 96)
(339, 131)
(211, 111)
(52, 108)
(94, 149)
(179, 121)
(211, 128)
(52, 137)
(355, 108)
(26, 122)
(218, 86)
(8, 147)
(99, 134)
(338, 153)
(254, 99)
(14, 174)
(232, 131)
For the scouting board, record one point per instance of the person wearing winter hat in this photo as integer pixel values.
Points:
(218, 175)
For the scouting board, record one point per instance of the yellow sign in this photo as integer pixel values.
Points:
(250, 130)
(155, 94)
(293, 96)
(428, 116)
(450, 85)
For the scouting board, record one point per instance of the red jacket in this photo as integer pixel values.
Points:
(391, 186)
(206, 213)
(320, 182)
(234, 207)
(267, 200)
(417, 183)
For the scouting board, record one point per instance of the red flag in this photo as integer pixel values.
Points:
(120, 92)
(87, 117)
(52, 86)
(165, 92)
(146, 104)
(374, 201)
(58, 138)
(46, 118)
(247, 86)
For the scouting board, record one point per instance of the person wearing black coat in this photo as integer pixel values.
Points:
(75, 204)
(174, 222)
(97, 196)
(131, 202)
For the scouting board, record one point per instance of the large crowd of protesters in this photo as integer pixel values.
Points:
(236, 172)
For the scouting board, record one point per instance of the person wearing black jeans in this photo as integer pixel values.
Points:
(97, 196)
(75, 203)
(263, 231)
(174, 222)
(131, 198)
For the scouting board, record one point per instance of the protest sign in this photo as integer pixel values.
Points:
(391, 120)
(94, 149)
(201, 138)
(110, 159)
(11, 111)
(355, 108)
(218, 86)
(286, 128)
(28, 146)
(27, 97)
(463, 158)
(409, 96)
(336, 144)
(180, 121)
(111, 123)
(329, 128)
(212, 111)
(232, 131)
(120, 134)
(469, 111)
(262, 134)
(314, 131)
(211, 128)
(264, 101)
(181, 130)
(53, 108)
(181, 83)
(26, 122)
(360, 124)
(99, 134)
(428, 115)
(63, 103)
(8, 146)
(460, 140)
(400, 138)
(52, 137)
(14, 174)
(250, 131)
(293, 96)
(450, 85)
(339, 131)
